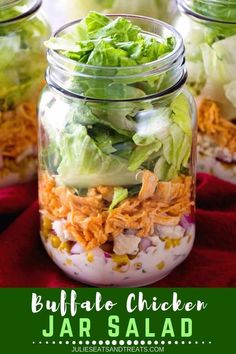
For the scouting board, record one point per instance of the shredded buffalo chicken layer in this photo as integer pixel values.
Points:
(90, 222)
(18, 130)
(211, 122)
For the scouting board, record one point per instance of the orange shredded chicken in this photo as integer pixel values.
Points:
(18, 130)
(148, 186)
(210, 122)
(91, 223)
(106, 192)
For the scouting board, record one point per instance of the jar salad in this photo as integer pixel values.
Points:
(164, 10)
(22, 64)
(211, 61)
(117, 151)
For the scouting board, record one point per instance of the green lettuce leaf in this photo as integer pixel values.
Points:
(153, 8)
(162, 168)
(220, 60)
(94, 22)
(109, 143)
(124, 149)
(211, 59)
(181, 113)
(119, 195)
(141, 154)
(104, 54)
(221, 10)
(118, 116)
(22, 57)
(119, 91)
(177, 136)
(84, 165)
(50, 157)
(168, 149)
(120, 30)
(152, 125)
(100, 41)
(107, 139)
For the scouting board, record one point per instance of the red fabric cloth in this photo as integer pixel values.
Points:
(212, 263)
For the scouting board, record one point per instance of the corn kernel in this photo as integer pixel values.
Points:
(68, 261)
(55, 241)
(65, 246)
(138, 265)
(120, 259)
(46, 225)
(168, 244)
(176, 242)
(160, 265)
(90, 257)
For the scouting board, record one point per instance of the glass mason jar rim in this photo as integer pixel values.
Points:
(185, 7)
(159, 66)
(163, 93)
(34, 6)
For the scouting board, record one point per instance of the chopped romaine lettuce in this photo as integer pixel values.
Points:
(162, 168)
(95, 22)
(152, 125)
(120, 91)
(96, 146)
(141, 154)
(221, 10)
(160, 9)
(84, 165)
(180, 113)
(219, 62)
(211, 58)
(119, 195)
(107, 139)
(119, 48)
(22, 58)
(111, 142)
(113, 43)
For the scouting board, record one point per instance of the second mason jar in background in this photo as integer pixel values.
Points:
(22, 64)
(117, 151)
(161, 9)
(209, 30)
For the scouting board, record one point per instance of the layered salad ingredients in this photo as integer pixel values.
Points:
(216, 142)
(116, 181)
(211, 62)
(161, 9)
(22, 65)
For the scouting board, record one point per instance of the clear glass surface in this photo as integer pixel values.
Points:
(117, 175)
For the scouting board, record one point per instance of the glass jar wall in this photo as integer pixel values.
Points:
(22, 65)
(161, 9)
(117, 162)
(209, 32)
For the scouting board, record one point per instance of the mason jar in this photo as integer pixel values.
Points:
(161, 9)
(209, 30)
(22, 64)
(117, 165)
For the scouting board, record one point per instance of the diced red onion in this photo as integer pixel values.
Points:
(232, 162)
(107, 255)
(186, 221)
(144, 244)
